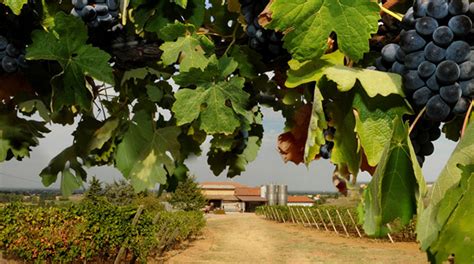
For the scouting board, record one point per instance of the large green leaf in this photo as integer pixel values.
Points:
(146, 154)
(234, 160)
(455, 215)
(15, 5)
(346, 152)
(310, 22)
(374, 122)
(429, 223)
(64, 163)
(67, 45)
(18, 135)
(218, 102)
(331, 67)
(396, 187)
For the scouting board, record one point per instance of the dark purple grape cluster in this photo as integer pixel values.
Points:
(266, 42)
(97, 12)
(434, 57)
(325, 150)
(422, 138)
(12, 58)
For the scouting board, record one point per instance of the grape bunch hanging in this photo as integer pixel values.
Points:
(435, 60)
(96, 12)
(267, 42)
(11, 57)
(326, 149)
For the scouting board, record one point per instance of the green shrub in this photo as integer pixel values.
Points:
(88, 231)
(188, 196)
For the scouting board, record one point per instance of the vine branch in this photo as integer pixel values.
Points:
(466, 119)
(417, 119)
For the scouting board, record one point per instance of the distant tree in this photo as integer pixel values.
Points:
(188, 196)
(95, 190)
(120, 193)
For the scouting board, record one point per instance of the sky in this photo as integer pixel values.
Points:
(267, 168)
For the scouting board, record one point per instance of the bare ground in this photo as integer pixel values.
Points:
(247, 238)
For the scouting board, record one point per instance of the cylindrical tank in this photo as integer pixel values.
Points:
(282, 194)
(272, 195)
(263, 191)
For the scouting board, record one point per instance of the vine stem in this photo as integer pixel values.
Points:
(466, 119)
(391, 13)
(420, 114)
(233, 38)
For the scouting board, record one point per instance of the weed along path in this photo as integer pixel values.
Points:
(247, 238)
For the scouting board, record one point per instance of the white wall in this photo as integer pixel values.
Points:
(299, 204)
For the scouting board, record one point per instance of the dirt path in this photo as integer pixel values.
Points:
(246, 238)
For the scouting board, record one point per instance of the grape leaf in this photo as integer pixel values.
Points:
(217, 102)
(346, 151)
(317, 124)
(428, 225)
(236, 162)
(18, 135)
(187, 50)
(374, 122)
(67, 45)
(146, 154)
(396, 187)
(309, 23)
(63, 164)
(345, 77)
(456, 212)
(15, 5)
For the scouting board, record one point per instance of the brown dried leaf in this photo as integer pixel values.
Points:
(292, 143)
(266, 16)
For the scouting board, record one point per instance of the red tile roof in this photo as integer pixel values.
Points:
(247, 191)
(299, 199)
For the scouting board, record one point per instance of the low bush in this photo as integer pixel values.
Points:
(88, 231)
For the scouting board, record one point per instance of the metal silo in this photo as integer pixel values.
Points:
(282, 194)
(272, 195)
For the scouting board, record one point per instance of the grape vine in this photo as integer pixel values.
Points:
(150, 81)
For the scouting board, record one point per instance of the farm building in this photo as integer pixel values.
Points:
(300, 201)
(232, 196)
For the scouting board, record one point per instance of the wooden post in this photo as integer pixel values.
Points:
(134, 223)
(170, 238)
(332, 223)
(282, 216)
(279, 215)
(275, 218)
(322, 219)
(275, 215)
(301, 217)
(309, 221)
(312, 217)
(291, 214)
(342, 222)
(353, 222)
(294, 215)
(388, 234)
